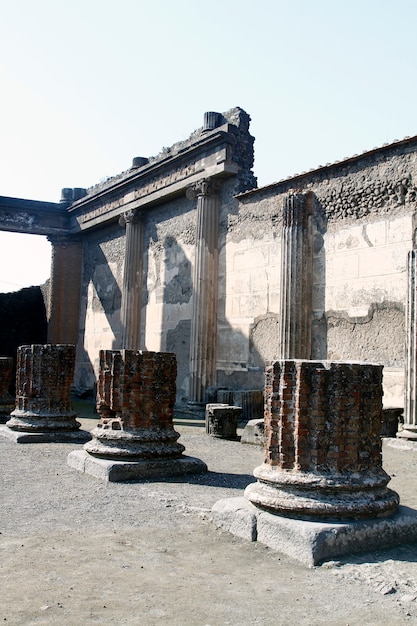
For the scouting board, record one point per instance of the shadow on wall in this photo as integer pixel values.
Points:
(22, 322)
(174, 287)
(101, 295)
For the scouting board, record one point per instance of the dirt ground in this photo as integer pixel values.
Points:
(76, 550)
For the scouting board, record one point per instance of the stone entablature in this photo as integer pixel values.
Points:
(209, 154)
(33, 217)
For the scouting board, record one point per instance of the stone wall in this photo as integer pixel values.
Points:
(363, 224)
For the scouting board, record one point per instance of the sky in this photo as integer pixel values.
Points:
(86, 85)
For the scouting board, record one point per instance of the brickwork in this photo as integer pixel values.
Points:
(322, 441)
(44, 375)
(135, 401)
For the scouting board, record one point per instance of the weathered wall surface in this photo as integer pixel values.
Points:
(103, 258)
(364, 214)
(169, 247)
(363, 225)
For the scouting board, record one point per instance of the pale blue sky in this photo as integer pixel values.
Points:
(88, 84)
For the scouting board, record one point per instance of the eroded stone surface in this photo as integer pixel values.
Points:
(323, 448)
(44, 375)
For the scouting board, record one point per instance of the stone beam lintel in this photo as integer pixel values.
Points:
(106, 214)
(171, 177)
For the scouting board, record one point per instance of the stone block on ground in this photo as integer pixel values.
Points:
(113, 470)
(19, 436)
(313, 542)
(254, 432)
(222, 419)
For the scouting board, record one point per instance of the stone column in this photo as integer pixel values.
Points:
(7, 401)
(135, 401)
(132, 280)
(65, 290)
(44, 375)
(135, 436)
(323, 447)
(204, 320)
(296, 278)
(410, 388)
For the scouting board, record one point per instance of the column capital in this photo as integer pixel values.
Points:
(132, 216)
(204, 187)
(64, 240)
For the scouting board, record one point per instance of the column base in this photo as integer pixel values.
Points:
(408, 432)
(27, 421)
(322, 496)
(312, 543)
(114, 470)
(64, 436)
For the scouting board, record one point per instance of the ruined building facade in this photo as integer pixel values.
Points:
(182, 253)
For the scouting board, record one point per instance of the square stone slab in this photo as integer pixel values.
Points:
(19, 436)
(311, 543)
(113, 470)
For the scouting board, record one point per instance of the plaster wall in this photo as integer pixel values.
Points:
(364, 225)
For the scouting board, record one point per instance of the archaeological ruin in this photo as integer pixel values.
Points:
(135, 436)
(182, 253)
(321, 491)
(42, 410)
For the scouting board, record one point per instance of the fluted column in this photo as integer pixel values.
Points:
(65, 289)
(132, 280)
(296, 278)
(410, 392)
(204, 320)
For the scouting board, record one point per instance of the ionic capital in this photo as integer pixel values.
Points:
(132, 216)
(204, 187)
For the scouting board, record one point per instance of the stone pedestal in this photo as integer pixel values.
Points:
(409, 430)
(135, 437)
(321, 491)
(43, 412)
(222, 419)
(7, 402)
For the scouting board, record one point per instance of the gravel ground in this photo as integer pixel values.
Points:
(76, 550)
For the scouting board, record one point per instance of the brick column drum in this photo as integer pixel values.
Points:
(323, 447)
(135, 401)
(44, 376)
(7, 401)
(135, 436)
